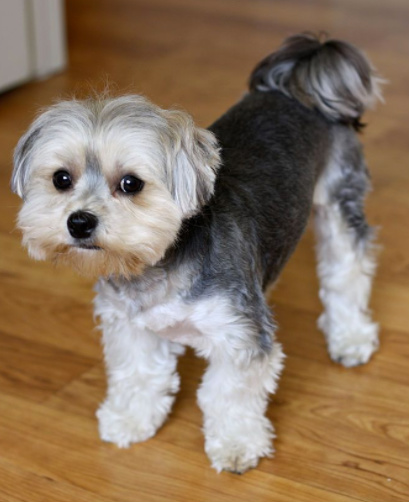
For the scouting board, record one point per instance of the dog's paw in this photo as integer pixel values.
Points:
(241, 446)
(350, 346)
(132, 425)
(122, 428)
(350, 355)
(235, 457)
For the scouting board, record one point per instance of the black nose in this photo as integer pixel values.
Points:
(81, 224)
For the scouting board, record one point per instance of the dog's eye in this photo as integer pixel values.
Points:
(130, 184)
(62, 180)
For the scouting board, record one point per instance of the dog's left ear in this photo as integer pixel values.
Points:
(193, 162)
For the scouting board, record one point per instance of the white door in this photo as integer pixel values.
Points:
(32, 40)
(15, 58)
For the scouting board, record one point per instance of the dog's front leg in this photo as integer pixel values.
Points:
(142, 380)
(233, 397)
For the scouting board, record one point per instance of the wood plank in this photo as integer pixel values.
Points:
(35, 371)
(65, 449)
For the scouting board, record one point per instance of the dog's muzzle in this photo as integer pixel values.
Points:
(82, 224)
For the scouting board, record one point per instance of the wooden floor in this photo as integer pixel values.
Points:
(343, 435)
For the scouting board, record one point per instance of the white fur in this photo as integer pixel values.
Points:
(142, 380)
(141, 343)
(234, 397)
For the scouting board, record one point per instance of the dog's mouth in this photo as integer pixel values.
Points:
(89, 247)
(95, 259)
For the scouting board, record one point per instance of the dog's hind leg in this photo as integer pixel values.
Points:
(345, 253)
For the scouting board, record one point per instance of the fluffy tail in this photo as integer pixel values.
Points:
(332, 76)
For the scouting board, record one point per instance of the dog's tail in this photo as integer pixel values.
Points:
(332, 76)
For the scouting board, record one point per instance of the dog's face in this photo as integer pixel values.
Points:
(106, 184)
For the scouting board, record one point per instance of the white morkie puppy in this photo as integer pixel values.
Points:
(187, 227)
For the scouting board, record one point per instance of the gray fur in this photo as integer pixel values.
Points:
(350, 191)
(333, 76)
(93, 171)
(92, 164)
(273, 149)
(22, 159)
(193, 161)
(242, 238)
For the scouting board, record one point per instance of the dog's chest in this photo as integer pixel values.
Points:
(172, 320)
(156, 303)
(159, 307)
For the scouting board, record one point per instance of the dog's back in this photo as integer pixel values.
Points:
(273, 150)
(304, 106)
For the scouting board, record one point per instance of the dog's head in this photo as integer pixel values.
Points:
(106, 184)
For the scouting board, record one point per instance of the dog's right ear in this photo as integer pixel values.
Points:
(22, 159)
(194, 161)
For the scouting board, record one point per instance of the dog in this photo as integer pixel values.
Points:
(187, 227)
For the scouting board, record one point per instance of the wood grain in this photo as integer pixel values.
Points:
(343, 435)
